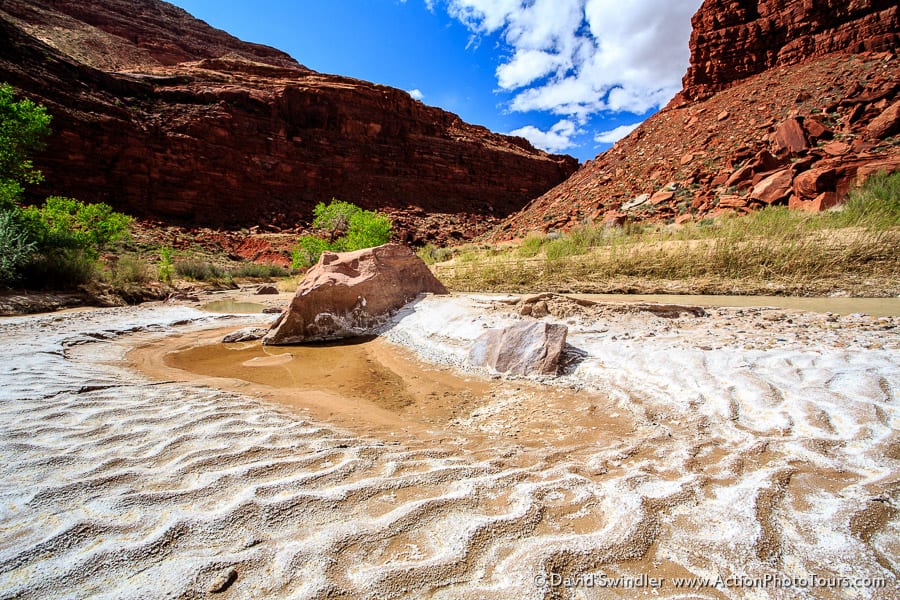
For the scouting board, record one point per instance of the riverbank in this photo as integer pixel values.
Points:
(743, 442)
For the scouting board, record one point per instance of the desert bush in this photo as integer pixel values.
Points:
(259, 271)
(15, 247)
(62, 268)
(128, 270)
(199, 270)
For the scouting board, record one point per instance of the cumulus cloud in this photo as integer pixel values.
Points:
(614, 135)
(557, 139)
(576, 58)
(416, 94)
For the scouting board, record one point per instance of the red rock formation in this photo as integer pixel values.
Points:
(778, 108)
(347, 294)
(734, 39)
(160, 115)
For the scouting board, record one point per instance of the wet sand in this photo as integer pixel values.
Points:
(753, 443)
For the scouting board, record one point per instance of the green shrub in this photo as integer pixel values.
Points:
(259, 271)
(531, 245)
(127, 270)
(199, 270)
(69, 223)
(367, 229)
(63, 268)
(309, 249)
(166, 267)
(15, 247)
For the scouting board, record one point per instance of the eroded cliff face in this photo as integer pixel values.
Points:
(735, 39)
(162, 116)
(784, 103)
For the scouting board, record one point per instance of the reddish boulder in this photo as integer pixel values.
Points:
(885, 124)
(813, 182)
(521, 349)
(732, 201)
(661, 196)
(774, 188)
(816, 130)
(350, 293)
(836, 148)
(790, 137)
(823, 201)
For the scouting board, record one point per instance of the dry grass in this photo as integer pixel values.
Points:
(854, 250)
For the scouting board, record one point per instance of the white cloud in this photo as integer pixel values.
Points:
(614, 135)
(416, 94)
(579, 57)
(557, 139)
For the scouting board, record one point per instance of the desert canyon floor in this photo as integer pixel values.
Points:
(755, 448)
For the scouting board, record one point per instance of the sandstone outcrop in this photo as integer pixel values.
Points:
(165, 117)
(735, 39)
(784, 103)
(521, 349)
(349, 294)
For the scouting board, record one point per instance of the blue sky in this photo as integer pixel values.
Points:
(572, 76)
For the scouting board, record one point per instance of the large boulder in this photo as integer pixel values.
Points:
(521, 349)
(348, 294)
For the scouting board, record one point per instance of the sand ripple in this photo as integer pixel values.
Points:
(739, 462)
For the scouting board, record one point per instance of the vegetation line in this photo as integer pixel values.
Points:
(852, 250)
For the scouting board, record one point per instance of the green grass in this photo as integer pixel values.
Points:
(774, 249)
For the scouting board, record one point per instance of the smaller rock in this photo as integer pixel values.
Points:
(885, 124)
(272, 310)
(540, 309)
(816, 130)
(811, 183)
(247, 334)
(222, 581)
(774, 188)
(790, 137)
(732, 201)
(685, 159)
(661, 196)
(836, 148)
(723, 115)
(521, 349)
(265, 289)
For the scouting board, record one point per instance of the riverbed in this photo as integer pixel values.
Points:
(144, 459)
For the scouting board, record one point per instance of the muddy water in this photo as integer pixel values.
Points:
(876, 307)
(372, 386)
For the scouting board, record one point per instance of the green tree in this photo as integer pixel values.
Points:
(334, 217)
(24, 126)
(360, 229)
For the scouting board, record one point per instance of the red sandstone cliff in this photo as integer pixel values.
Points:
(162, 116)
(784, 102)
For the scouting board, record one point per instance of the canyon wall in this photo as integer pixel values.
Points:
(162, 116)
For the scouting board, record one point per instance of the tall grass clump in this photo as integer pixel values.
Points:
(258, 270)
